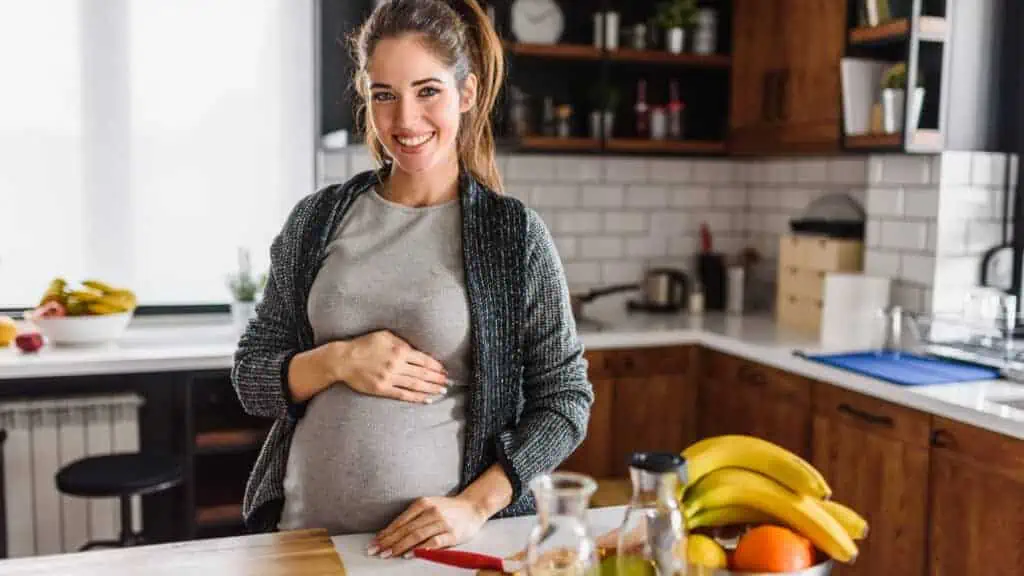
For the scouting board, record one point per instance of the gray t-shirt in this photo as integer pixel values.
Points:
(357, 461)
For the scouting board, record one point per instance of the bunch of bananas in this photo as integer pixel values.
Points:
(93, 297)
(746, 480)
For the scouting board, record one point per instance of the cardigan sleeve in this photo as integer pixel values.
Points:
(270, 341)
(557, 395)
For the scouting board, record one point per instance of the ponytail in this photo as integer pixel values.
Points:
(461, 35)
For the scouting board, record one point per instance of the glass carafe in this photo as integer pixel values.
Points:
(561, 543)
(652, 538)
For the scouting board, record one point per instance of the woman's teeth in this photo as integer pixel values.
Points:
(415, 140)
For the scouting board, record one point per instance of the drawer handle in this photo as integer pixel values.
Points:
(868, 417)
(943, 439)
(750, 376)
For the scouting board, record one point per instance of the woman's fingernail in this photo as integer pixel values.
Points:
(408, 555)
(372, 551)
(385, 554)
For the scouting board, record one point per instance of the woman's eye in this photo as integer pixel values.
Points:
(429, 91)
(382, 97)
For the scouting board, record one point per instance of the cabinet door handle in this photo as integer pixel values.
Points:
(868, 417)
(750, 376)
(943, 439)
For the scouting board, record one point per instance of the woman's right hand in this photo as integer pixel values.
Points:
(382, 364)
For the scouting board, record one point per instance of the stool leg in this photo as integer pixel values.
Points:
(128, 537)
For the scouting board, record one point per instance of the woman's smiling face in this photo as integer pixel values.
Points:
(415, 103)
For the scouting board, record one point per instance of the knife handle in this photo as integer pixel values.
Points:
(460, 559)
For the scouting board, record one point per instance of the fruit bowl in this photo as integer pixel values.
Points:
(821, 569)
(83, 330)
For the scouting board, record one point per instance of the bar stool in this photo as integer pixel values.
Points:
(121, 476)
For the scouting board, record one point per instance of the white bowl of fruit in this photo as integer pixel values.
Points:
(93, 313)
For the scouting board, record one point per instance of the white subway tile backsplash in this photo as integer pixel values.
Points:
(765, 197)
(670, 223)
(669, 171)
(683, 246)
(813, 171)
(873, 233)
(601, 196)
(904, 235)
(729, 244)
(899, 169)
(600, 247)
(712, 172)
(982, 235)
(360, 160)
(690, 197)
(530, 168)
(625, 222)
(988, 168)
(777, 223)
(780, 172)
(795, 199)
(847, 171)
(953, 169)
(579, 222)
(521, 192)
(917, 269)
(583, 273)
(566, 246)
(577, 169)
(625, 170)
(729, 197)
(885, 202)
(555, 196)
(621, 271)
(646, 247)
(879, 263)
(950, 236)
(334, 166)
(908, 297)
(921, 203)
(647, 196)
(718, 222)
(957, 271)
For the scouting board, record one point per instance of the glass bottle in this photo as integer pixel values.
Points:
(643, 113)
(652, 538)
(561, 543)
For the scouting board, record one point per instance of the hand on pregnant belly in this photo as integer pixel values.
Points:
(429, 523)
(382, 364)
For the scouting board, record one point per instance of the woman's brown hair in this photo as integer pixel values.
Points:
(459, 33)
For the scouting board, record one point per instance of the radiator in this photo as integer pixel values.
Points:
(44, 435)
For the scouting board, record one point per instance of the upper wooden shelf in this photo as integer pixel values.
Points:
(921, 140)
(930, 28)
(584, 52)
(872, 141)
(555, 143)
(560, 51)
(666, 146)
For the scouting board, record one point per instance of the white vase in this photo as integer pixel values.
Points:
(609, 123)
(893, 108)
(241, 313)
(675, 38)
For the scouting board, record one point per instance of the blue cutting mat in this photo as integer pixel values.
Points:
(907, 369)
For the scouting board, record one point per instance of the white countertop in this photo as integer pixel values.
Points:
(502, 538)
(154, 345)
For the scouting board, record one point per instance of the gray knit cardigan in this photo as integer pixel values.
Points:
(529, 397)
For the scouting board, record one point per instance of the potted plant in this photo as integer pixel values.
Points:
(602, 117)
(894, 84)
(675, 17)
(245, 290)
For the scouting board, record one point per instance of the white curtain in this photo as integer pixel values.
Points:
(144, 141)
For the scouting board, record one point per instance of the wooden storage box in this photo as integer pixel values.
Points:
(803, 263)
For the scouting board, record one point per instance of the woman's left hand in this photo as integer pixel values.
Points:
(429, 523)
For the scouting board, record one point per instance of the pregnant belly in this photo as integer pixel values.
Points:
(357, 461)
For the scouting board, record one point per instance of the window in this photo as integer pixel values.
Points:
(146, 141)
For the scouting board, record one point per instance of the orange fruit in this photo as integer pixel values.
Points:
(770, 548)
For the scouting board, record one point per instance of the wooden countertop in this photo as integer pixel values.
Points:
(306, 552)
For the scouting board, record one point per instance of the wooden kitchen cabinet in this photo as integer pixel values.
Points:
(786, 92)
(644, 399)
(737, 396)
(875, 455)
(977, 502)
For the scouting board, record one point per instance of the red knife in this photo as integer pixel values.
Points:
(469, 560)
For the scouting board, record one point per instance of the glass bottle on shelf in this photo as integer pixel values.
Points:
(561, 544)
(675, 112)
(653, 532)
(643, 113)
(564, 113)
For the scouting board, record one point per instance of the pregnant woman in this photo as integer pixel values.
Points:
(415, 341)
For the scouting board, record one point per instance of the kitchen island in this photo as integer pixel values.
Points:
(306, 552)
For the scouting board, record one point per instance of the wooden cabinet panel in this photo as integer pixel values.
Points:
(635, 362)
(875, 456)
(740, 397)
(650, 414)
(756, 27)
(593, 457)
(977, 502)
